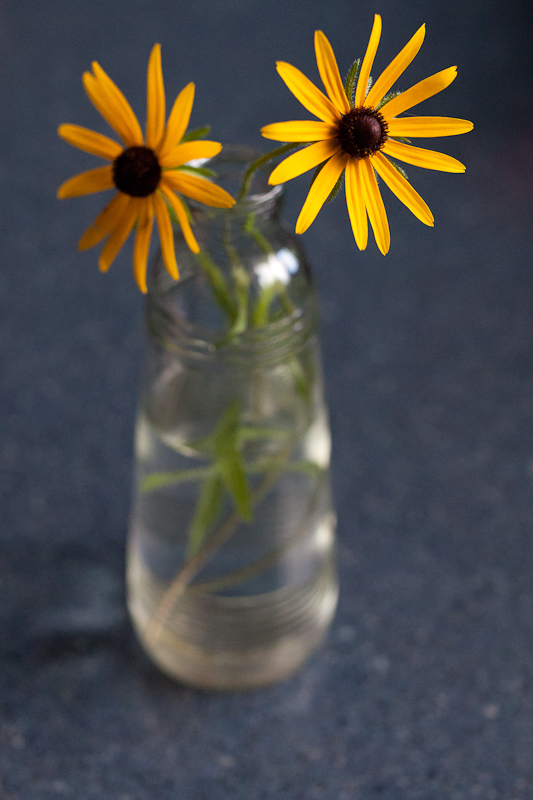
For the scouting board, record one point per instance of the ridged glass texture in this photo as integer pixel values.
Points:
(232, 424)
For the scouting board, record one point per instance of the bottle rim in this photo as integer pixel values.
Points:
(230, 165)
(270, 344)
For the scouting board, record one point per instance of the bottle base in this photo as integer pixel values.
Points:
(219, 643)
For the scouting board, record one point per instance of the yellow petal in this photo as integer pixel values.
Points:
(374, 206)
(188, 151)
(299, 131)
(90, 141)
(329, 72)
(320, 191)
(199, 189)
(307, 93)
(120, 233)
(368, 61)
(428, 126)
(166, 235)
(94, 180)
(142, 243)
(105, 221)
(181, 214)
(116, 104)
(355, 202)
(177, 121)
(101, 102)
(395, 68)
(155, 99)
(419, 92)
(402, 189)
(428, 159)
(303, 160)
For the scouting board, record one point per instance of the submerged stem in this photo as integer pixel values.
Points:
(218, 285)
(262, 564)
(194, 564)
(241, 282)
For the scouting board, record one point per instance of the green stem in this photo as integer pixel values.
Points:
(252, 230)
(194, 564)
(279, 151)
(218, 285)
(242, 284)
(261, 313)
(262, 564)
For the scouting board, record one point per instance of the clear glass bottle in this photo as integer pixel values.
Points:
(231, 569)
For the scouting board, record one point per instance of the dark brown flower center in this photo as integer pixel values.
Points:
(362, 131)
(136, 171)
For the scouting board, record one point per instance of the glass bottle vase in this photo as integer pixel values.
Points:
(231, 570)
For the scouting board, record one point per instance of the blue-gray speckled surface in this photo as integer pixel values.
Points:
(424, 688)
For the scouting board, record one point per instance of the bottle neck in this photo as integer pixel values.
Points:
(247, 296)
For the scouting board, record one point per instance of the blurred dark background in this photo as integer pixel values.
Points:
(424, 687)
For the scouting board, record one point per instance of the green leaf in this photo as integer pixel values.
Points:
(226, 433)
(172, 213)
(225, 436)
(158, 480)
(400, 139)
(397, 167)
(351, 81)
(317, 172)
(251, 433)
(300, 379)
(335, 191)
(230, 461)
(233, 474)
(387, 98)
(185, 205)
(191, 136)
(310, 468)
(203, 172)
(263, 465)
(205, 512)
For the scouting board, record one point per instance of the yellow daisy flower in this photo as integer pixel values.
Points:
(356, 138)
(146, 173)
